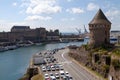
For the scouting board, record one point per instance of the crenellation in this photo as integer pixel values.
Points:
(99, 30)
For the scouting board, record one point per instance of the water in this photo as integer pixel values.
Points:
(13, 64)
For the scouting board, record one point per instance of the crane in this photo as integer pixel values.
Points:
(79, 30)
(85, 30)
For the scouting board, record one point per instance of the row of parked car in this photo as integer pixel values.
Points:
(62, 75)
(52, 70)
(52, 67)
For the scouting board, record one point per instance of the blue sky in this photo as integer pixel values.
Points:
(65, 15)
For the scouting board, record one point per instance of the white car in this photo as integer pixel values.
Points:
(46, 76)
(53, 78)
(57, 76)
(53, 68)
(62, 73)
(43, 68)
(67, 74)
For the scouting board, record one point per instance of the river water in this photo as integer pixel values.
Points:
(13, 63)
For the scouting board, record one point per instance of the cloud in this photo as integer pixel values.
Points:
(75, 10)
(113, 13)
(37, 17)
(92, 6)
(41, 6)
(14, 4)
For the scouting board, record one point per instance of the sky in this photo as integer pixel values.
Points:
(65, 15)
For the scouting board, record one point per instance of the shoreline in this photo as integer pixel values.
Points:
(16, 46)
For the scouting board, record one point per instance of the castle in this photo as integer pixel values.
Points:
(25, 33)
(99, 30)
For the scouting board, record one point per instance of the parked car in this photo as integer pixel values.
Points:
(70, 78)
(52, 77)
(53, 68)
(46, 76)
(48, 68)
(57, 67)
(61, 67)
(64, 77)
(67, 74)
(43, 68)
(62, 74)
(57, 76)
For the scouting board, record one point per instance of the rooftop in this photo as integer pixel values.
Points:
(20, 27)
(100, 18)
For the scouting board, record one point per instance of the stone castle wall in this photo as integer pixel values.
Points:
(99, 34)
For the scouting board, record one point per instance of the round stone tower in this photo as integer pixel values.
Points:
(99, 30)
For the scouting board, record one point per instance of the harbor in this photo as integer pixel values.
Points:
(17, 61)
(60, 40)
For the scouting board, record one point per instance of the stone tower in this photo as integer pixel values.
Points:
(99, 30)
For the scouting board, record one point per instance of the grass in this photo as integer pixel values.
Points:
(38, 77)
(116, 63)
(116, 52)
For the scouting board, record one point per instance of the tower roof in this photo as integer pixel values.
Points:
(100, 18)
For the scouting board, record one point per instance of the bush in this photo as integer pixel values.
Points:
(25, 77)
(38, 77)
(86, 46)
(106, 68)
(116, 52)
(116, 63)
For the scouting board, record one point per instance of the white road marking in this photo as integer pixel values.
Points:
(73, 66)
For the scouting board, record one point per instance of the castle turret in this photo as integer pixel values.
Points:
(99, 30)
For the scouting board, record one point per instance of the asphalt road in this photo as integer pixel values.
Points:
(77, 71)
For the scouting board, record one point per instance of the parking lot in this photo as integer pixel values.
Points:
(53, 69)
(57, 65)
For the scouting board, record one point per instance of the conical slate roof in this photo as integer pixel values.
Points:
(100, 18)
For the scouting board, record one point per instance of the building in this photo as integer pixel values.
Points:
(115, 33)
(20, 28)
(53, 35)
(25, 33)
(38, 60)
(99, 30)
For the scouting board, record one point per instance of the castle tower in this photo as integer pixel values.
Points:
(99, 30)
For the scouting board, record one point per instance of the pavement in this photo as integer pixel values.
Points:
(77, 71)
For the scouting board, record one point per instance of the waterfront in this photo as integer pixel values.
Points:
(14, 62)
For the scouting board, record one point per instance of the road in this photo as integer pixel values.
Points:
(77, 71)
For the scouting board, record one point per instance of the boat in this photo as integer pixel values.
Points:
(64, 41)
(112, 38)
(2, 49)
(38, 44)
(12, 47)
